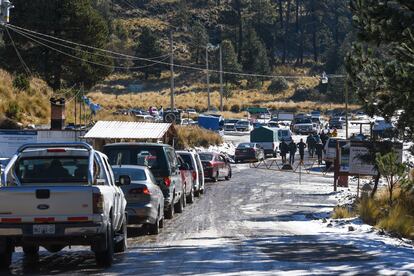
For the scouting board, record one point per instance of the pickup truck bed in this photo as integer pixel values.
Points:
(54, 195)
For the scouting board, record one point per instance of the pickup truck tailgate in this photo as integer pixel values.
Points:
(46, 202)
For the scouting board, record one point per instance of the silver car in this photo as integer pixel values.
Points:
(145, 201)
(193, 160)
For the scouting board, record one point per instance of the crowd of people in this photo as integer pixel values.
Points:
(315, 144)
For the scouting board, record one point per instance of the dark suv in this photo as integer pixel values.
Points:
(161, 160)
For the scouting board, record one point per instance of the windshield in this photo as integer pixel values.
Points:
(52, 169)
(206, 156)
(134, 174)
(244, 123)
(303, 121)
(152, 157)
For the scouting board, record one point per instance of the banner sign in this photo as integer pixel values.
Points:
(11, 140)
(357, 166)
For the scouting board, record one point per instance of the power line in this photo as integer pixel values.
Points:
(120, 55)
(169, 64)
(25, 67)
(72, 48)
(84, 60)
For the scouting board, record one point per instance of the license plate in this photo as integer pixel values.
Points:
(44, 229)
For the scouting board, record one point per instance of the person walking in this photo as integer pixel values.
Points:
(319, 150)
(310, 141)
(302, 147)
(284, 149)
(292, 152)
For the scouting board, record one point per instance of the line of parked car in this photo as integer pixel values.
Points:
(56, 195)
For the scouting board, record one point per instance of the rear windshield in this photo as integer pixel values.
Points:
(135, 174)
(245, 146)
(206, 156)
(187, 159)
(152, 157)
(52, 169)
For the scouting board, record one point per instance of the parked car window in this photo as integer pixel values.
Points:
(52, 170)
(206, 156)
(172, 158)
(150, 156)
(187, 159)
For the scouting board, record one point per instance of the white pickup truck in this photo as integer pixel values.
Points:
(56, 195)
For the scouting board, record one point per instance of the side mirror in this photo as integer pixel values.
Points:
(124, 180)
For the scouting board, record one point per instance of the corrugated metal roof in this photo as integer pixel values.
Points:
(127, 130)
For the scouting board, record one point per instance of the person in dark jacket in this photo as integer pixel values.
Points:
(310, 140)
(302, 147)
(292, 152)
(284, 149)
(319, 150)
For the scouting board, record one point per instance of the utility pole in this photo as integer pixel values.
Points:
(208, 81)
(346, 107)
(221, 78)
(172, 70)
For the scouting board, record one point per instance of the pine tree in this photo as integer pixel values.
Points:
(74, 20)
(255, 59)
(230, 62)
(148, 46)
(199, 40)
(380, 63)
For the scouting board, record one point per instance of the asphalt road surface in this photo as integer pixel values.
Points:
(251, 225)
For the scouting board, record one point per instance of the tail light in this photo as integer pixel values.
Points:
(167, 181)
(252, 150)
(138, 191)
(56, 150)
(194, 175)
(98, 203)
(209, 165)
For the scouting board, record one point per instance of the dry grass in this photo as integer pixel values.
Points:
(34, 103)
(194, 136)
(398, 218)
(341, 212)
(194, 96)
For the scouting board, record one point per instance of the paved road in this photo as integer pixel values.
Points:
(251, 225)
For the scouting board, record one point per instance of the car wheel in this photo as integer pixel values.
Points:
(154, 229)
(169, 213)
(216, 178)
(105, 258)
(190, 198)
(6, 256)
(179, 206)
(122, 244)
(197, 193)
(30, 250)
(228, 177)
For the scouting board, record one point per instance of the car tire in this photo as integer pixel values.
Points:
(122, 245)
(161, 223)
(179, 206)
(216, 178)
(106, 257)
(6, 256)
(190, 197)
(154, 229)
(228, 177)
(197, 193)
(169, 213)
(30, 250)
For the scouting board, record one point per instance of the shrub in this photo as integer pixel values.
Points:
(307, 94)
(235, 108)
(341, 212)
(398, 220)
(13, 111)
(194, 136)
(369, 211)
(21, 82)
(225, 107)
(278, 85)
